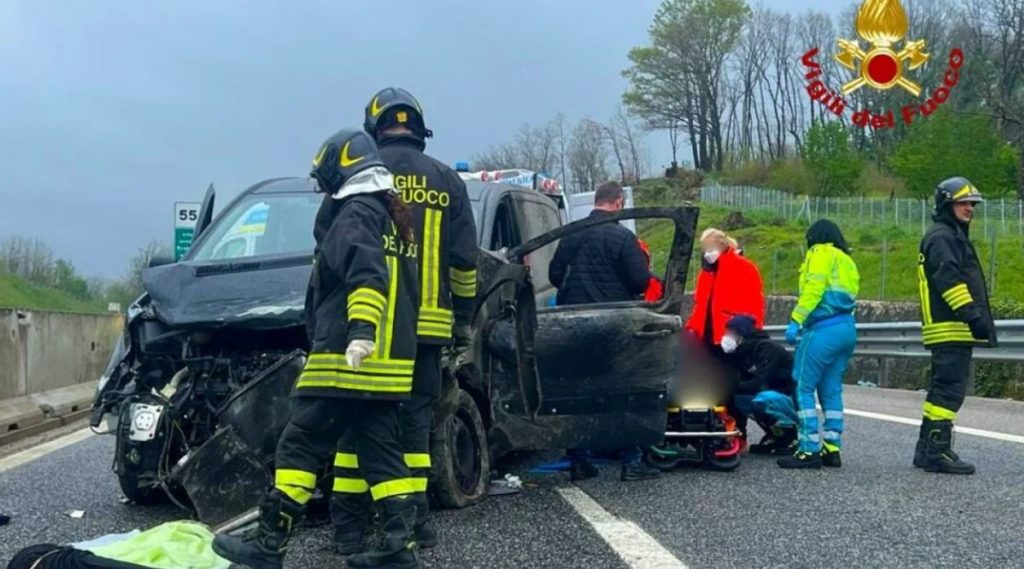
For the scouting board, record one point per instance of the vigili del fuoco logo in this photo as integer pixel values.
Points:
(884, 64)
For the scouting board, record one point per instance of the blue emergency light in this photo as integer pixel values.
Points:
(462, 166)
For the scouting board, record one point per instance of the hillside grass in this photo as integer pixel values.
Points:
(18, 293)
(777, 247)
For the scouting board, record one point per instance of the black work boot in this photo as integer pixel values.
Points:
(830, 456)
(939, 455)
(426, 535)
(583, 470)
(921, 450)
(352, 517)
(264, 547)
(397, 549)
(801, 460)
(766, 445)
(638, 471)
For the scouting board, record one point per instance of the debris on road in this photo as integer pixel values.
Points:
(511, 484)
(76, 514)
(4, 519)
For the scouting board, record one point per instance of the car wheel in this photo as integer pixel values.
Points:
(461, 458)
(722, 464)
(144, 495)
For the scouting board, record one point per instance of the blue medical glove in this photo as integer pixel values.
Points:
(791, 333)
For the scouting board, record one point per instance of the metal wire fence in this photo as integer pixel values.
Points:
(1000, 216)
(884, 234)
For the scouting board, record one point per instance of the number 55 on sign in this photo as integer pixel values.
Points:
(186, 215)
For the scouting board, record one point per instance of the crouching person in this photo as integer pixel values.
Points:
(361, 309)
(765, 389)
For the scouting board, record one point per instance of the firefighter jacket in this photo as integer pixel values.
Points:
(728, 288)
(829, 283)
(446, 235)
(952, 285)
(364, 286)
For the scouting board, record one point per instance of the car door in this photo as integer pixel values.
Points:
(592, 376)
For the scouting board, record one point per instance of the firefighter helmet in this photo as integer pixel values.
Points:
(343, 155)
(954, 190)
(393, 106)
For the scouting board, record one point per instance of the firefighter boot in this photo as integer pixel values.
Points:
(939, 455)
(397, 549)
(426, 535)
(264, 547)
(921, 450)
(352, 517)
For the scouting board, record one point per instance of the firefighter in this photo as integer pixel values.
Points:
(446, 236)
(956, 317)
(829, 283)
(362, 309)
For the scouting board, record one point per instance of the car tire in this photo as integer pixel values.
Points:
(460, 457)
(727, 464)
(142, 495)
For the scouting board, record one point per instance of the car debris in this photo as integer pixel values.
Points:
(76, 514)
(506, 486)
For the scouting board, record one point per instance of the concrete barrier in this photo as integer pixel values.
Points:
(50, 361)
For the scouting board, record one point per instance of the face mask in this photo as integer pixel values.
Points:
(729, 344)
(712, 256)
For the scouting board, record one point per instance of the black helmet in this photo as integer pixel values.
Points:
(393, 106)
(343, 155)
(954, 190)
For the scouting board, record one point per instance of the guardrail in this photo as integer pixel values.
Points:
(903, 340)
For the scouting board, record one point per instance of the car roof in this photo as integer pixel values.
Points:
(292, 185)
(477, 189)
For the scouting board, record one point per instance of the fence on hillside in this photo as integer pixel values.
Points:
(994, 217)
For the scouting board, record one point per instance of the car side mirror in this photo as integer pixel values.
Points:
(160, 260)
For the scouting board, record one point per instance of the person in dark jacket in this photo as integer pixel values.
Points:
(765, 389)
(362, 308)
(956, 318)
(445, 234)
(603, 264)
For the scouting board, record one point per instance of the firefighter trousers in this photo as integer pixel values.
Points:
(314, 429)
(349, 505)
(951, 371)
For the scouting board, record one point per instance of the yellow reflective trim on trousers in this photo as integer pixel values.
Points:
(346, 460)
(935, 413)
(431, 273)
(399, 487)
(926, 298)
(297, 484)
(417, 460)
(350, 486)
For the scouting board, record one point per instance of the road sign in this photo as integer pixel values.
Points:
(186, 216)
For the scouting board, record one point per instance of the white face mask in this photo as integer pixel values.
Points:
(712, 256)
(729, 344)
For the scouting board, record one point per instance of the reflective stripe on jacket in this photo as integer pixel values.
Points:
(364, 286)
(446, 235)
(829, 284)
(952, 285)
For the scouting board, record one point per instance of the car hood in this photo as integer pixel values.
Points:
(259, 295)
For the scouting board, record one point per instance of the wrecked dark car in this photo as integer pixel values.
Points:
(197, 389)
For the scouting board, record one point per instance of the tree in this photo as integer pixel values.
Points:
(534, 148)
(831, 159)
(679, 77)
(587, 156)
(950, 144)
(138, 263)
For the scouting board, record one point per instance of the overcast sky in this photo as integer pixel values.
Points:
(113, 110)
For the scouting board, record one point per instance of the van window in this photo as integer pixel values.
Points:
(504, 233)
(536, 218)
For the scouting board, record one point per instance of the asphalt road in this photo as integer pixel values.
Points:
(877, 511)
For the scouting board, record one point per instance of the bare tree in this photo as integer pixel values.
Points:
(30, 259)
(587, 156)
(140, 262)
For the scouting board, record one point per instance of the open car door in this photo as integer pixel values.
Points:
(591, 376)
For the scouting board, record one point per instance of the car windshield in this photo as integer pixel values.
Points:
(261, 225)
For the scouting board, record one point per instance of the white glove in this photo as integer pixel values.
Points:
(358, 350)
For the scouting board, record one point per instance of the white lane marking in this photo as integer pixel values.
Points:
(28, 455)
(917, 423)
(635, 546)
